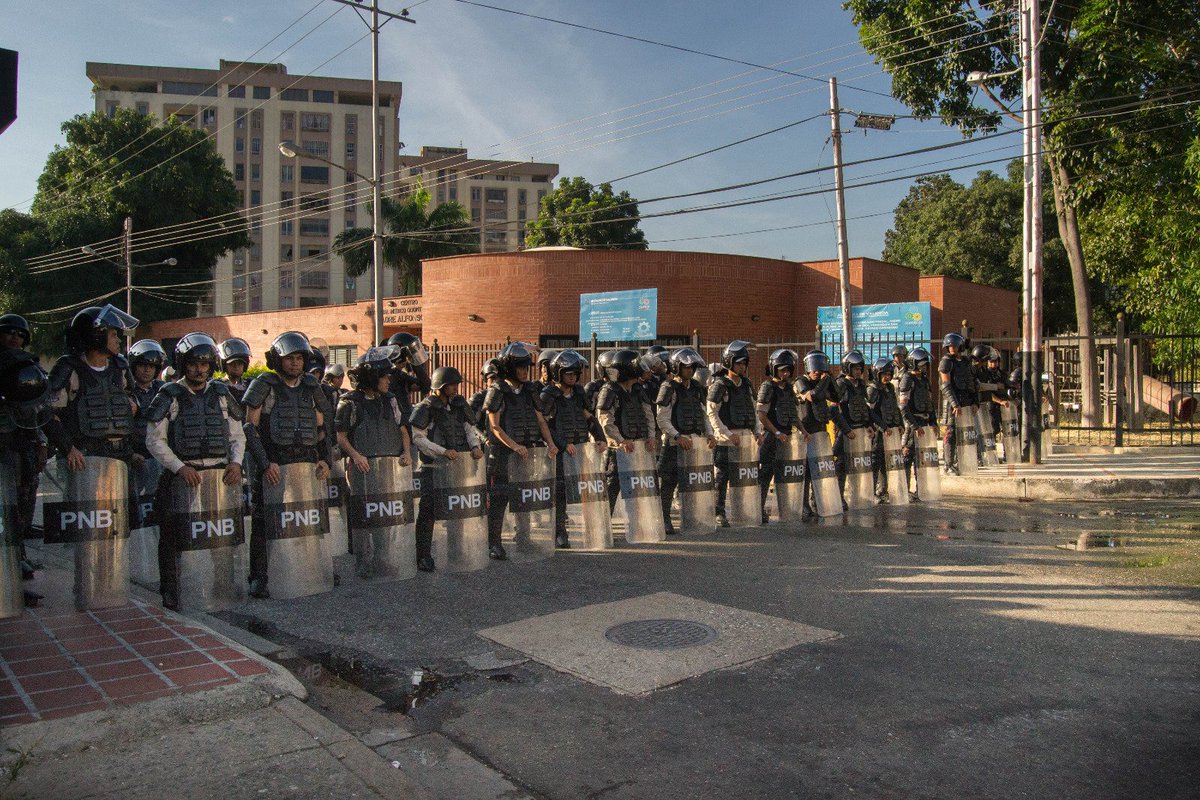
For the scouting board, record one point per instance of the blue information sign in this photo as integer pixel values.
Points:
(619, 316)
(878, 327)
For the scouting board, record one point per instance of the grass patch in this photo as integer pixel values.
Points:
(1149, 561)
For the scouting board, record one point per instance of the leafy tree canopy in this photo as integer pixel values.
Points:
(577, 214)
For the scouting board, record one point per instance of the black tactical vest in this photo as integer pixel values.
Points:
(375, 431)
(293, 419)
(687, 415)
(781, 406)
(815, 415)
(518, 414)
(100, 409)
(200, 429)
(443, 425)
(962, 380)
(479, 415)
(627, 409)
(737, 402)
(920, 398)
(569, 425)
(236, 390)
(887, 408)
(854, 403)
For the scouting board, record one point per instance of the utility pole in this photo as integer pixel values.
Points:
(840, 192)
(1031, 259)
(376, 189)
(127, 248)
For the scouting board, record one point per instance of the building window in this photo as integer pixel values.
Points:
(475, 215)
(415, 171)
(314, 122)
(236, 91)
(314, 227)
(495, 237)
(208, 117)
(256, 172)
(351, 151)
(239, 145)
(285, 228)
(351, 283)
(541, 194)
(287, 174)
(285, 302)
(287, 121)
(183, 87)
(256, 118)
(314, 280)
(295, 94)
(498, 196)
(285, 254)
(453, 194)
(349, 223)
(441, 196)
(239, 172)
(262, 92)
(239, 119)
(320, 149)
(520, 197)
(496, 215)
(521, 215)
(285, 279)
(314, 202)
(322, 96)
(351, 124)
(311, 252)
(255, 146)
(476, 194)
(111, 108)
(351, 199)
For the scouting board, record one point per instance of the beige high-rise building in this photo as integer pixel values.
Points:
(296, 205)
(500, 195)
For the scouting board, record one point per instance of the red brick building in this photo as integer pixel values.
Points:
(534, 295)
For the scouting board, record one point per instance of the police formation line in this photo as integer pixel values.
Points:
(529, 464)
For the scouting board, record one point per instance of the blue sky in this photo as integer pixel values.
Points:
(511, 87)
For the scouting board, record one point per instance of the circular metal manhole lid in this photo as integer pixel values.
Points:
(661, 634)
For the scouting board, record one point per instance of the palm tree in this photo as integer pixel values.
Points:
(411, 235)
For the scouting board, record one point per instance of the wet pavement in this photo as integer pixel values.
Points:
(985, 649)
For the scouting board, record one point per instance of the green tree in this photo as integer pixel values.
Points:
(21, 236)
(975, 233)
(413, 234)
(127, 165)
(577, 214)
(1113, 75)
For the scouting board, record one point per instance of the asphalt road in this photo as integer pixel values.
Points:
(979, 655)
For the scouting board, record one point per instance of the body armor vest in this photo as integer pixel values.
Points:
(569, 425)
(886, 405)
(737, 406)
(781, 406)
(236, 390)
(630, 412)
(920, 399)
(518, 415)
(481, 419)
(292, 422)
(101, 407)
(854, 403)
(962, 380)
(445, 422)
(375, 432)
(687, 415)
(199, 430)
(815, 415)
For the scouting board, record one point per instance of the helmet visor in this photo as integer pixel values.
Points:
(112, 317)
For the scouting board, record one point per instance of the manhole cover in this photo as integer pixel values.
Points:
(661, 634)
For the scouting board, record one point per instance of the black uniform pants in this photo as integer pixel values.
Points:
(28, 478)
(667, 465)
(259, 552)
(560, 494)
(432, 497)
(499, 489)
(841, 454)
(721, 471)
(168, 535)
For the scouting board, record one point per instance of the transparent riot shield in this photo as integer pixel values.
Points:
(382, 519)
(860, 461)
(297, 520)
(823, 472)
(986, 436)
(12, 600)
(791, 465)
(743, 499)
(530, 518)
(93, 517)
(966, 442)
(459, 488)
(893, 462)
(208, 527)
(697, 487)
(928, 475)
(143, 540)
(588, 524)
(639, 495)
(338, 540)
(1010, 433)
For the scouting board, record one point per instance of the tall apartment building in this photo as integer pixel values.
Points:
(501, 195)
(296, 206)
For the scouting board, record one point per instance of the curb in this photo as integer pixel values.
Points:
(1090, 488)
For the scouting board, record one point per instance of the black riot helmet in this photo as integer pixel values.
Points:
(736, 351)
(663, 354)
(603, 362)
(853, 359)
(650, 363)
(314, 363)
(781, 359)
(490, 369)
(410, 349)
(900, 351)
(703, 376)
(993, 355)
(567, 361)
(626, 365)
(816, 361)
(286, 344)
(196, 347)
(445, 376)
(980, 352)
(686, 357)
(954, 340)
(232, 350)
(371, 366)
(1015, 377)
(89, 328)
(884, 366)
(25, 388)
(15, 323)
(147, 351)
(512, 357)
(716, 370)
(920, 357)
(547, 355)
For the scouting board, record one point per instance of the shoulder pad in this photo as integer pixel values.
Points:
(258, 390)
(216, 387)
(420, 416)
(120, 362)
(718, 390)
(494, 399)
(766, 391)
(458, 401)
(160, 406)
(666, 393)
(309, 382)
(60, 373)
(607, 398)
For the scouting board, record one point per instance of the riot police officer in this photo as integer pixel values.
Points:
(591, 390)
(852, 397)
(285, 414)
(368, 420)
(410, 367)
(730, 411)
(565, 409)
(889, 423)
(489, 375)
(959, 392)
(192, 424)
(335, 376)
(899, 363)
(657, 363)
(680, 415)
(235, 360)
(516, 424)
(443, 430)
(817, 394)
(544, 357)
(623, 413)
(27, 442)
(147, 360)
(914, 394)
(777, 413)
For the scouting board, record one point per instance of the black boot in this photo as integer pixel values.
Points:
(561, 541)
(32, 599)
(170, 599)
(258, 588)
(425, 564)
(497, 553)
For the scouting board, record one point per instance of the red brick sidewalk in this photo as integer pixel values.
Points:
(57, 664)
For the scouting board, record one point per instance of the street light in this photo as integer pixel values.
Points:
(128, 266)
(288, 149)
